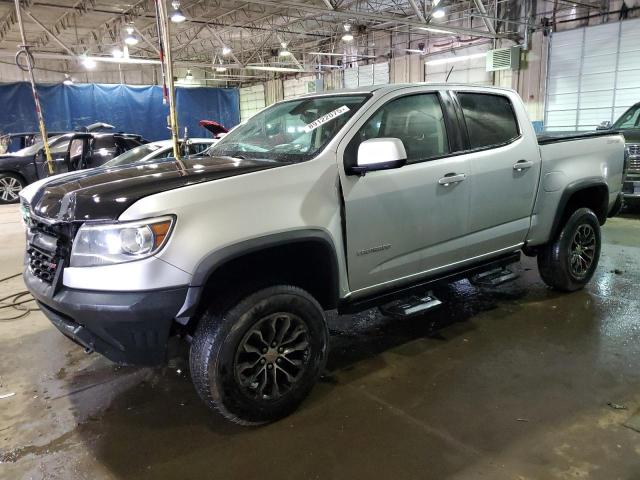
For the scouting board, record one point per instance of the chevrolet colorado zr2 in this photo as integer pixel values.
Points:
(339, 200)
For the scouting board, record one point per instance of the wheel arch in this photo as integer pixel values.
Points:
(311, 264)
(592, 193)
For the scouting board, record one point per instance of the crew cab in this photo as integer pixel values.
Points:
(69, 152)
(349, 200)
(629, 125)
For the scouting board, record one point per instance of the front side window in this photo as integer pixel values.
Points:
(417, 120)
(490, 119)
(630, 119)
(292, 131)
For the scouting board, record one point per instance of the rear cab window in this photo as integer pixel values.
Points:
(489, 118)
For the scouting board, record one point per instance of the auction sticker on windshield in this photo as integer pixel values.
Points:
(325, 118)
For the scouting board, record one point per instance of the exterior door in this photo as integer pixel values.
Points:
(404, 222)
(504, 163)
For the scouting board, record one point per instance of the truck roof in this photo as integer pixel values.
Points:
(399, 86)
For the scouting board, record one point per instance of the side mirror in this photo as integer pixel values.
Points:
(606, 125)
(380, 154)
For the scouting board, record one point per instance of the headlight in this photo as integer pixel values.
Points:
(120, 242)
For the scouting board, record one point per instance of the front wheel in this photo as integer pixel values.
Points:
(255, 362)
(10, 187)
(570, 260)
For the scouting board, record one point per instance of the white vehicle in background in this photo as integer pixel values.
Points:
(154, 151)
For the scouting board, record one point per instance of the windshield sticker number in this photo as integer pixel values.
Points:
(325, 118)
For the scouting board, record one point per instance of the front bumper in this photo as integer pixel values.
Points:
(631, 189)
(126, 327)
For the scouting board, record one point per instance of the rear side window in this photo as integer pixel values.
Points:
(490, 119)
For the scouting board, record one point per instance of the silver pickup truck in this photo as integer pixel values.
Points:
(342, 200)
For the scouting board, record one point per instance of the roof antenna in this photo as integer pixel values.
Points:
(449, 74)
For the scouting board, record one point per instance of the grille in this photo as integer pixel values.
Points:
(633, 160)
(42, 264)
(44, 258)
(634, 149)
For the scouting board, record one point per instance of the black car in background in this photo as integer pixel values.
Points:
(69, 152)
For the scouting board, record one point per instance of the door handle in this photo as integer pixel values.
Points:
(521, 165)
(451, 178)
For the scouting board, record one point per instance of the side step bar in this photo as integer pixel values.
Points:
(493, 278)
(411, 306)
(418, 288)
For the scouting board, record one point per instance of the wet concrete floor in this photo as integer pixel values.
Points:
(515, 382)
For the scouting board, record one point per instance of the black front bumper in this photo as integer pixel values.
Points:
(126, 327)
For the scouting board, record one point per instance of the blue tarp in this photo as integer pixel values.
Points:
(131, 109)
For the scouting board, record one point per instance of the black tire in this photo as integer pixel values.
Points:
(10, 186)
(555, 259)
(225, 341)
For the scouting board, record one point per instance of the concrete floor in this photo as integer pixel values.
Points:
(509, 383)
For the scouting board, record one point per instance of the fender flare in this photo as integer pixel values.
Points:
(569, 191)
(216, 259)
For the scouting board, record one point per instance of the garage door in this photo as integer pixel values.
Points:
(365, 75)
(593, 75)
(299, 86)
(251, 101)
(469, 70)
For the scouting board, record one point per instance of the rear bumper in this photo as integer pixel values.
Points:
(126, 327)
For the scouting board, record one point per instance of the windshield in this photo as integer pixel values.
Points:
(630, 119)
(292, 131)
(134, 155)
(56, 145)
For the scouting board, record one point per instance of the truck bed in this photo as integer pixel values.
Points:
(555, 137)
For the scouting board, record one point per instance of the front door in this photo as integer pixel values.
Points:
(403, 223)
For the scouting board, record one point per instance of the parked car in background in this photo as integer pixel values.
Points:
(347, 200)
(12, 142)
(69, 152)
(629, 125)
(154, 151)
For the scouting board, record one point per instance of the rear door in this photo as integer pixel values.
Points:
(402, 224)
(504, 163)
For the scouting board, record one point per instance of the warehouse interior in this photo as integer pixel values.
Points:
(503, 376)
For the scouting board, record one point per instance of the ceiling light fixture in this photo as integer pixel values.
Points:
(348, 36)
(226, 50)
(117, 53)
(462, 58)
(284, 51)
(177, 16)
(221, 69)
(436, 30)
(189, 75)
(130, 39)
(436, 2)
(88, 62)
(438, 13)
(266, 68)
(67, 79)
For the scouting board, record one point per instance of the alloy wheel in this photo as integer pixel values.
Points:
(9, 188)
(582, 250)
(272, 356)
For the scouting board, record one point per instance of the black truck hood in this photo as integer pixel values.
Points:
(104, 193)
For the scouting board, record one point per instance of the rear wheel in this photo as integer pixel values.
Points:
(255, 362)
(10, 187)
(570, 260)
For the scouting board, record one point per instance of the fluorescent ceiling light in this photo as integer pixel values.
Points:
(332, 54)
(436, 30)
(221, 69)
(117, 53)
(266, 68)
(462, 58)
(438, 13)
